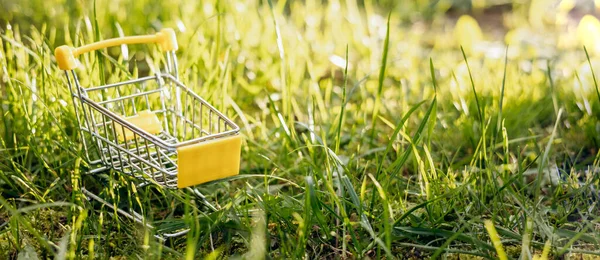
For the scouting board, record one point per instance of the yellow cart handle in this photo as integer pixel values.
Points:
(65, 55)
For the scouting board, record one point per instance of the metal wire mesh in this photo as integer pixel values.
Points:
(184, 116)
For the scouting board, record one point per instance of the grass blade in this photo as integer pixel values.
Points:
(587, 55)
(489, 225)
(501, 103)
(343, 107)
(384, 57)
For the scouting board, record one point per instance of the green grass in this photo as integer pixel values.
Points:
(364, 136)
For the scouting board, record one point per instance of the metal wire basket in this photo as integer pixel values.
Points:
(154, 127)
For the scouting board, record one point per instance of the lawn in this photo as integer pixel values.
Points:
(371, 129)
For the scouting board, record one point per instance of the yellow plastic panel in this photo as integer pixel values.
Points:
(208, 161)
(145, 120)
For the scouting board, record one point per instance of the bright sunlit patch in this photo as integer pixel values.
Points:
(377, 21)
(240, 7)
(275, 97)
(335, 6)
(562, 14)
(208, 8)
(312, 20)
(467, 33)
(34, 90)
(588, 34)
(338, 61)
(251, 75)
(541, 12)
(181, 26)
(567, 5)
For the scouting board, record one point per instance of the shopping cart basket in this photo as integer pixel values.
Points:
(154, 127)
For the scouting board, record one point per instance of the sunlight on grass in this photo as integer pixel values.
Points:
(372, 129)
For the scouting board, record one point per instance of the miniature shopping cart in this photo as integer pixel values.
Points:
(154, 127)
